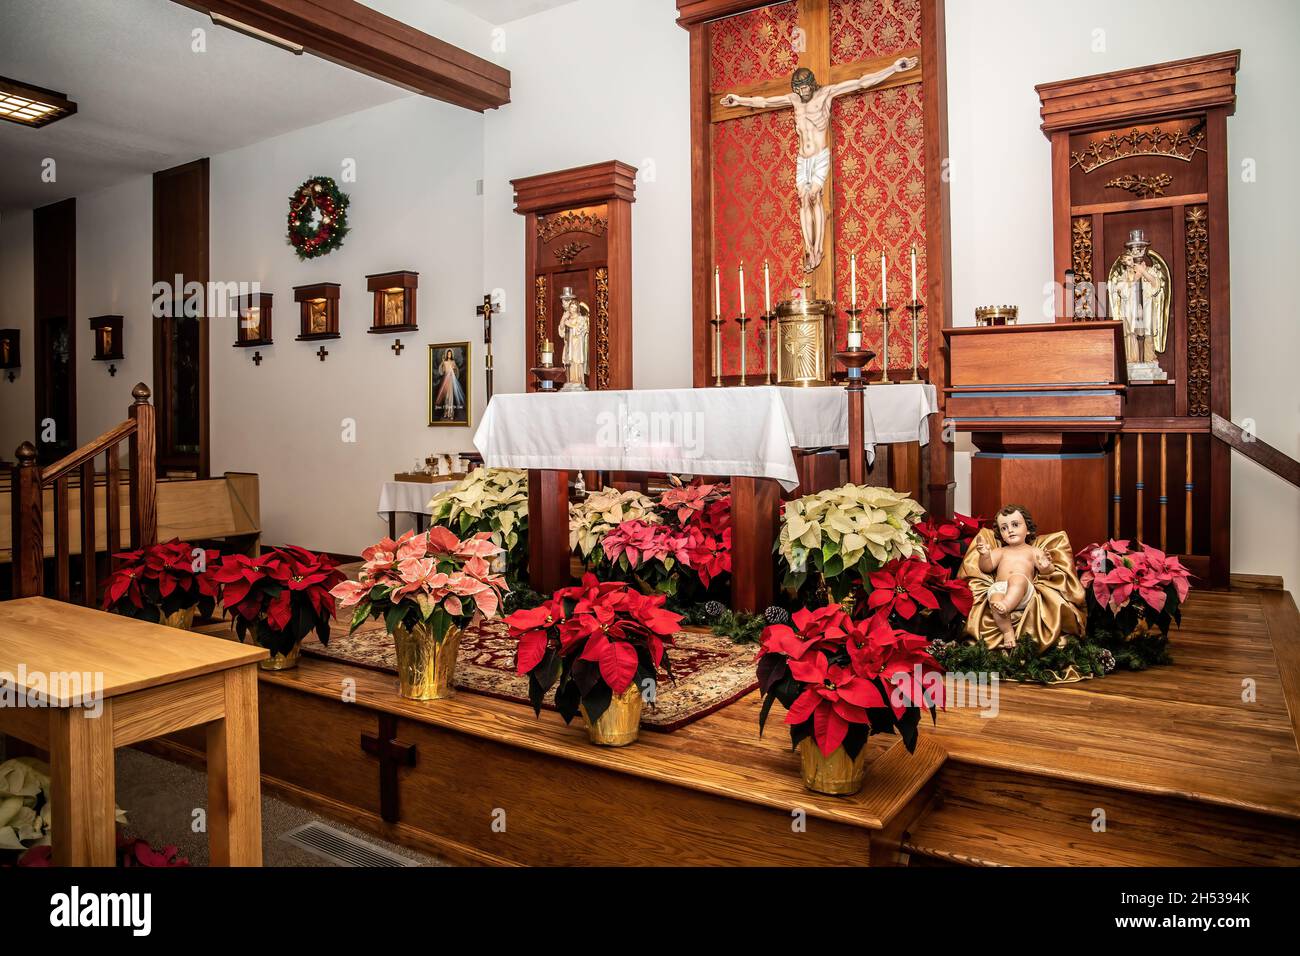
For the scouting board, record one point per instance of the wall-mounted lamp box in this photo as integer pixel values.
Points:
(9, 354)
(318, 307)
(108, 337)
(394, 301)
(254, 327)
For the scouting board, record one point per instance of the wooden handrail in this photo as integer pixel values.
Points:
(28, 498)
(85, 453)
(1256, 449)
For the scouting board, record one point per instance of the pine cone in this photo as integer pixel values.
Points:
(713, 609)
(776, 615)
(1107, 661)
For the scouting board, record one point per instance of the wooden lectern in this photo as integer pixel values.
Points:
(1041, 403)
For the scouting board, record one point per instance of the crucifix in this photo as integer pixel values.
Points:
(321, 353)
(392, 755)
(815, 83)
(397, 348)
(257, 358)
(811, 103)
(486, 310)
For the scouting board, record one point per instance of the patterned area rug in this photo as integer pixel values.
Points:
(710, 671)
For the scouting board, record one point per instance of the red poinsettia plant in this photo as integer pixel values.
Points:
(595, 639)
(432, 578)
(158, 580)
(924, 597)
(1135, 588)
(696, 537)
(841, 680)
(946, 542)
(278, 597)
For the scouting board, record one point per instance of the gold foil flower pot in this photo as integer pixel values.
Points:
(182, 619)
(619, 725)
(281, 662)
(838, 774)
(426, 667)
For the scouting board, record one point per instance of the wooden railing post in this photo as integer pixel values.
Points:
(28, 530)
(144, 502)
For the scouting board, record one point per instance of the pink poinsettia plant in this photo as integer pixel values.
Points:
(1133, 585)
(694, 537)
(596, 640)
(841, 680)
(278, 597)
(160, 579)
(432, 578)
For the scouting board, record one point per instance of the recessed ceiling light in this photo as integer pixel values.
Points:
(30, 105)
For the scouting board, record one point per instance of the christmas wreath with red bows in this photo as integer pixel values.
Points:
(318, 218)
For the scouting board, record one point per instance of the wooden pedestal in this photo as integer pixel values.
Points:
(548, 530)
(1059, 476)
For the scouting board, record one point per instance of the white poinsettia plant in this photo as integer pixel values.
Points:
(596, 515)
(25, 812)
(491, 500)
(847, 532)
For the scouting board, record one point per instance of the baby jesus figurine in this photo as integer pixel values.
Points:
(1013, 567)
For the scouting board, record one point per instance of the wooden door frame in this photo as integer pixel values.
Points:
(41, 313)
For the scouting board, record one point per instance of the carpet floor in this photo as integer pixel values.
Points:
(160, 798)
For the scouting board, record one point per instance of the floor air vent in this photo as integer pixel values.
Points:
(342, 849)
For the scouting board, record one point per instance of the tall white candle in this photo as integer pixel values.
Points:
(717, 292)
(882, 278)
(742, 288)
(767, 290)
(853, 279)
(913, 272)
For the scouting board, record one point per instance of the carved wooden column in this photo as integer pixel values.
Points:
(578, 233)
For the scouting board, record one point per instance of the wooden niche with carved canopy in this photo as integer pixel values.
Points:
(578, 236)
(1141, 156)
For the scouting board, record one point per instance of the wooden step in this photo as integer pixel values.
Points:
(992, 817)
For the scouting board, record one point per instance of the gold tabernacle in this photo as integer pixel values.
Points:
(805, 342)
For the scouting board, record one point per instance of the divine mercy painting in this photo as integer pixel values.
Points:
(449, 383)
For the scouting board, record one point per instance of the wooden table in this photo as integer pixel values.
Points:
(146, 680)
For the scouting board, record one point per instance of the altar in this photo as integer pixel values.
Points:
(768, 440)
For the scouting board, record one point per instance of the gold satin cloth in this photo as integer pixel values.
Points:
(1056, 608)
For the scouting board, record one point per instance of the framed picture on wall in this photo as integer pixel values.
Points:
(449, 383)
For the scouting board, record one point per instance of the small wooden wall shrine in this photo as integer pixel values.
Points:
(1147, 149)
(578, 235)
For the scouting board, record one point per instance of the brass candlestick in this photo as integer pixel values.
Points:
(767, 318)
(884, 311)
(915, 308)
(716, 322)
(743, 321)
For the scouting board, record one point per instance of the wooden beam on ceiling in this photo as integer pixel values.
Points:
(355, 36)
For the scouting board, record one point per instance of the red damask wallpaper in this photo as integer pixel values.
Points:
(878, 178)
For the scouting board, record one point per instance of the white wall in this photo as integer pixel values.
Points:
(114, 276)
(1001, 195)
(593, 81)
(413, 206)
(17, 398)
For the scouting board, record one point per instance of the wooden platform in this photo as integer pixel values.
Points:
(1184, 770)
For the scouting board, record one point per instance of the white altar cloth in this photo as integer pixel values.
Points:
(695, 431)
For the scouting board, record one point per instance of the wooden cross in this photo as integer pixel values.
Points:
(815, 24)
(397, 348)
(321, 353)
(112, 371)
(257, 358)
(392, 755)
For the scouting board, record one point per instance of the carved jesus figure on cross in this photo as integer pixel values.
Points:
(812, 119)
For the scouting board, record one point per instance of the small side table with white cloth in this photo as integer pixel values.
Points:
(749, 434)
(408, 497)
